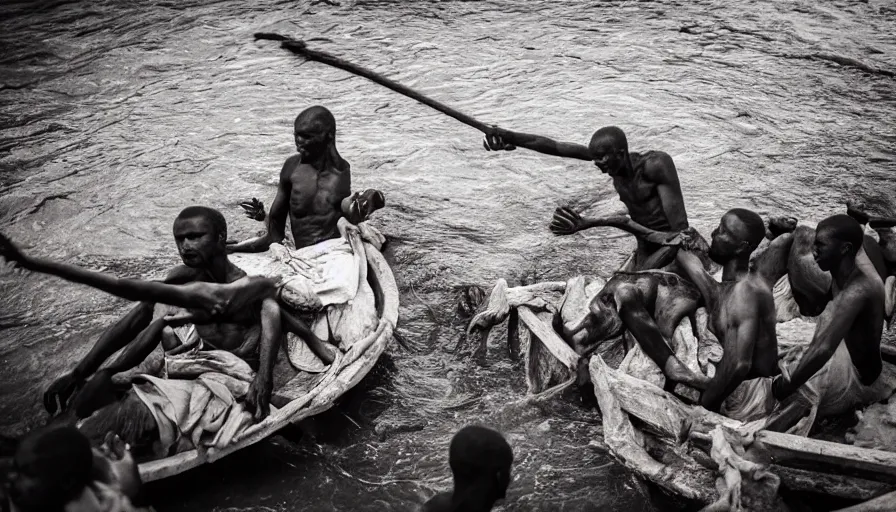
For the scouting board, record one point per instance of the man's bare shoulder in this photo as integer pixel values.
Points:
(658, 166)
(182, 274)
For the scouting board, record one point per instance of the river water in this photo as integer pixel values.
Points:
(116, 115)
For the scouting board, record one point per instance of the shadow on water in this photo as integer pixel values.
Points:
(114, 116)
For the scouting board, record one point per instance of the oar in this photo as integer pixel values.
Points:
(300, 48)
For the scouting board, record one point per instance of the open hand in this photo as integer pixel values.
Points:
(254, 209)
(258, 399)
(566, 221)
(494, 141)
(57, 395)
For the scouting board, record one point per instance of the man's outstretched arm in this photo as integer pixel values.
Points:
(505, 139)
(566, 221)
(276, 223)
(211, 298)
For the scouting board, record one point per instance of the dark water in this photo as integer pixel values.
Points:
(116, 115)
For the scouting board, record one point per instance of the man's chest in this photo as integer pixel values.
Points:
(635, 191)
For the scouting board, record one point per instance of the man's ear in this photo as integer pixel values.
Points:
(846, 248)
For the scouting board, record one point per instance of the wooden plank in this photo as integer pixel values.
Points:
(885, 503)
(840, 486)
(835, 458)
(563, 352)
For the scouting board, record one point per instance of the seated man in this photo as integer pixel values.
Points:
(651, 305)
(327, 266)
(741, 309)
(233, 312)
(480, 460)
(841, 368)
(55, 469)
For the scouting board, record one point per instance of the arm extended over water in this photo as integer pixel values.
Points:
(213, 298)
(525, 140)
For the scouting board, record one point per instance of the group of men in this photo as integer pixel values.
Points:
(835, 271)
(832, 269)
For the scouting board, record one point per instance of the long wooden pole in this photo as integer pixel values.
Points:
(300, 48)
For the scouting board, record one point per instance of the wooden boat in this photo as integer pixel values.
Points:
(673, 445)
(306, 394)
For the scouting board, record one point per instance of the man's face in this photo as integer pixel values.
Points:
(311, 138)
(826, 250)
(197, 241)
(727, 240)
(606, 157)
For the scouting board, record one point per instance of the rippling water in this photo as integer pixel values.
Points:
(116, 116)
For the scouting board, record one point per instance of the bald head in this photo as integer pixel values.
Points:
(611, 136)
(739, 234)
(836, 237)
(479, 454)
(54, 465)
(317, 118)
(608, 148)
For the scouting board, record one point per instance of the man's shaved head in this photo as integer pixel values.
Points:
(612, 135)
(480, 455)
(844, 229)
(214, 217)
(739, 234)
(317, 117)
(754, 227)
(608, 148)
(53, 465)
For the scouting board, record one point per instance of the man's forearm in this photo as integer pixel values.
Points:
(271, 335)
(114, 338)
(546, 146)
(139, 349)
(257, 244)
(814, 360)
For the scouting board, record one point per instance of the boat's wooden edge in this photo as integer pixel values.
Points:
(626, 444)
(344, 374)
(829, 457)
(554, 343)
(884, 503)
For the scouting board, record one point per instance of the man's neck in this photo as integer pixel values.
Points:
(844, 270)
(323, 160)
(735, 268)
(471, 499)
(219, 269)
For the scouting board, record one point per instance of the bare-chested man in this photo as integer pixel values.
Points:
(314, 190)
(647, 183)
(232, 312)
(842, 365)
(741, 311)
